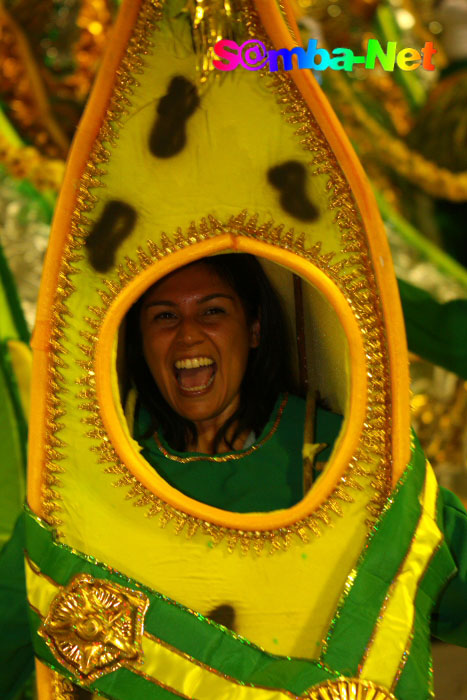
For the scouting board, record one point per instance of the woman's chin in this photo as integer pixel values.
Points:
(204, 405)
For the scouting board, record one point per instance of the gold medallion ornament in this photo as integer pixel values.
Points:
(349, 689)
(94, 627)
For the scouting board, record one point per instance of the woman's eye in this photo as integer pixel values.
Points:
(214, 310)
(164, 316)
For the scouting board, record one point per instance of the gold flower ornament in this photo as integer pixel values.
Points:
(349, 689)
(95, 626)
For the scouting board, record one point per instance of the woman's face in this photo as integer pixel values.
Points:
(196, 341)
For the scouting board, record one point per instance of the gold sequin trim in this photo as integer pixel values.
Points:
(226, 457)
(153, 680)
(381, 614)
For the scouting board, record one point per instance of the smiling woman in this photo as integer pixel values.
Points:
(207, 353)
(196, 342)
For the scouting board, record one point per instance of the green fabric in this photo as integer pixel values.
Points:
(12, 321)
(450, 614)
(377, 567)
(219, 648)
(233, 656)
(172, 622)
(269, 478)
(327, 428)
(437, 332)
(449, 619)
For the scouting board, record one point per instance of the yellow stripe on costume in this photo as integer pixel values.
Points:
(395, 623)
(162, 663)
(41, 590)
(193, 679)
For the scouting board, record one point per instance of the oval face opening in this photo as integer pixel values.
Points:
(233, 384)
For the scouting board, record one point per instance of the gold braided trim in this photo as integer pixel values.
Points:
(352, 272)
(438, 182)
(26, 162)
(131, 64)
(224, 457)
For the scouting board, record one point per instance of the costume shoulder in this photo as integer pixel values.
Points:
(449, 621)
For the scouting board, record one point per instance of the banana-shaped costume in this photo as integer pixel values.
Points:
(170, 165)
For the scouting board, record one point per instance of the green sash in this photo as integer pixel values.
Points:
(109, 633)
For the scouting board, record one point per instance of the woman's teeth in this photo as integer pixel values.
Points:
(194, 374)
(193, 362)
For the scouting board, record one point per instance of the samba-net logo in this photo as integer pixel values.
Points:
(253, 55)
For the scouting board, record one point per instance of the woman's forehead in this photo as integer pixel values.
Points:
(196, 280)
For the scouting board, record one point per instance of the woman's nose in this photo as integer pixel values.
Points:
(189, 332)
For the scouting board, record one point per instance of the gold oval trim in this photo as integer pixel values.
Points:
(146, 487)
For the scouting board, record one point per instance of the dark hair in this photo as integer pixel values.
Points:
(268, 369)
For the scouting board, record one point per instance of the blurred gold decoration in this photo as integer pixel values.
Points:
(376, 142)
(422, 12)
(352, 27)
(25, 162)
(22, 89)
(31, 15)
(211, 21)
(376, 130)
(94, 22)
(440, 130)
(95, 626)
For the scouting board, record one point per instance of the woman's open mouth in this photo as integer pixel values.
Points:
(195, 374)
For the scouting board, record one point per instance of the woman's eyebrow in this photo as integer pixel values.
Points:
(159, 303)
(216, 295)
(209, 297)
